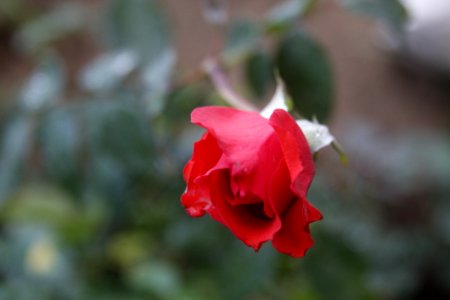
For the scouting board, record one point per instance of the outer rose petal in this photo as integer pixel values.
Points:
(296, 151)
(248, 141)
(206, 155)
(196, 200)
(249, 227)
(280, 195)
(294, 238)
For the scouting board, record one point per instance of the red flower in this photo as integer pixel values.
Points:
(252, 175)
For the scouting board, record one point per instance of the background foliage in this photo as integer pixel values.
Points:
(91, 160)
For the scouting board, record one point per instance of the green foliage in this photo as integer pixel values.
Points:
(259, 70)
(137, 25)
(14, 152)
(284, 15)
(39, 33)
(45, 86)
(108, 71)
(391, 12)
(306, 72)
(242, 37)
(9, 9)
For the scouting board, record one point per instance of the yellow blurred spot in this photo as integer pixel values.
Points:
(41, 257)
(128, 249)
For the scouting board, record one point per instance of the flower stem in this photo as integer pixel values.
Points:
(212, 68)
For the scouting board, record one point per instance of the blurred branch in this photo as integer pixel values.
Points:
(212, 69)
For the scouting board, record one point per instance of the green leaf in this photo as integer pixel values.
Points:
(49, 206)
(129, 248)
(39, 204)
(32, 256)
(239, 265)
(243, 37)
(305, 69)
(334, 278)
(59, 23)
(155, 78)
(156, 278)
(15, 147)
(180, 103)
(390, 11)
(285, 13)
(60, 144)
(119, 132)
(259, 73)
(108, 71)
(13, 10)
(44, 87)
(137, 25)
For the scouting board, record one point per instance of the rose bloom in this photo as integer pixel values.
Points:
(252, 175)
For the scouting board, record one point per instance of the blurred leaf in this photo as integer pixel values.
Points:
(335, 271)
(156, 80)
(156, 278)
(245, 271)
(121, 154)
(119, 131)
(15, 147)
(195, 240)
(60, 142)
(137, 25)
(12, 10)
(39, 204)
(63, 20)
(441, 222)
(390, 11)
(115, 294)
(285, 13)
(243, 36)
(180, 103)
(300, 288)
(259, 73)
(44, 87)
(304, 68)
(108, 71)
(128, 249)
(49, 206)
(32, 257)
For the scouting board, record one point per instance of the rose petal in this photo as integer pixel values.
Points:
(248, 141)
(250, 227)
(258, 181)
(295, 150)
(196, 199)
(280, 193)
(294, 237)
(206, 154)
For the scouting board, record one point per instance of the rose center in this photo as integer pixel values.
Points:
(257, 210)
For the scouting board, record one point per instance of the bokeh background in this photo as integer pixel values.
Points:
(94, 132)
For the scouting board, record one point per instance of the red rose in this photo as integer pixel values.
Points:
(252, 175)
